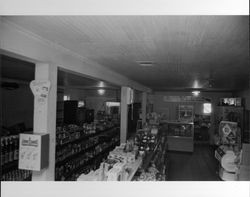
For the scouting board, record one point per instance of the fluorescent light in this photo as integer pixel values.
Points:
(113, 104)
(101, 84)
(196, 93)
(101, 91)
(196, 84)
(145, 63)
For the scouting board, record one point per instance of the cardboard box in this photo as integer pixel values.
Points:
(33, 151)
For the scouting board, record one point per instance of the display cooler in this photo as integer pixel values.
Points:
(180, 136)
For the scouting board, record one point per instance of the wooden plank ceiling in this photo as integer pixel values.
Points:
(205, 52)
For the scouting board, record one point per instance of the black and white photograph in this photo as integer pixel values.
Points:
(124, 103)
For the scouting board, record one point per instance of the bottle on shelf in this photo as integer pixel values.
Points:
(16, 175)
(2, 152)
(6, 148)
(16, 147)
(11, 149)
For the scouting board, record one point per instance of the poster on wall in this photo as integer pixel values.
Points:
(186, 112)
(33, 151)
(229, 133)
(40, 89)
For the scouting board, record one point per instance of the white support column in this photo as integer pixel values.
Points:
(124, 114)
(45, 121)
(144, 107)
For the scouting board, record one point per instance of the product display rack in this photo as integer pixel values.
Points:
(160, 158)
(157, 157)
(180, 136)
(149, 157)
(59, 112)
(93, 148)
(9, 160)
(91, 164)
(135, 167)
(10, 166)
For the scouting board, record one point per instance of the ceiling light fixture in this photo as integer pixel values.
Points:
(146, 63)
(101, 91)
(101, 84)
(196, 84)
(196, 93)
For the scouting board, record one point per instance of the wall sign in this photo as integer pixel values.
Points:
(229, 132)
(33, 151)
(40, 90)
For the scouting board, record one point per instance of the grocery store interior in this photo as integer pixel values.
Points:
(125, 98)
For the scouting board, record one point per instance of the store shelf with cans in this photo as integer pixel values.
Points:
(79, 147)
(72, 133)
(9, 160)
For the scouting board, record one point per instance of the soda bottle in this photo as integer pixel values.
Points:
(6, 147)
(2, 152)
(11, 149)
(16, 148)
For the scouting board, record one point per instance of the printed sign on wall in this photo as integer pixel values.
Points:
(29, 152)
(33, 151)
(40, 90)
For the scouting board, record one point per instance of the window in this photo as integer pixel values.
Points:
(207, 108)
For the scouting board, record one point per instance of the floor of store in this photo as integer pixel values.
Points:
(200, 165)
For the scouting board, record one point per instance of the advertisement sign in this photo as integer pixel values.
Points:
(40, 90)
(33, 151)
(228, 132)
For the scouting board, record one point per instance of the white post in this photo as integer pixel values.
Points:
(124, 114)
(45, 118)
(144, 107)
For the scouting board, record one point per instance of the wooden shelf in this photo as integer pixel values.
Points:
(148, 158)
(85, 137)
(9, 166)
(71, 157)
(29, 178)
(180, 137)
(90, 160)
(134, 166)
